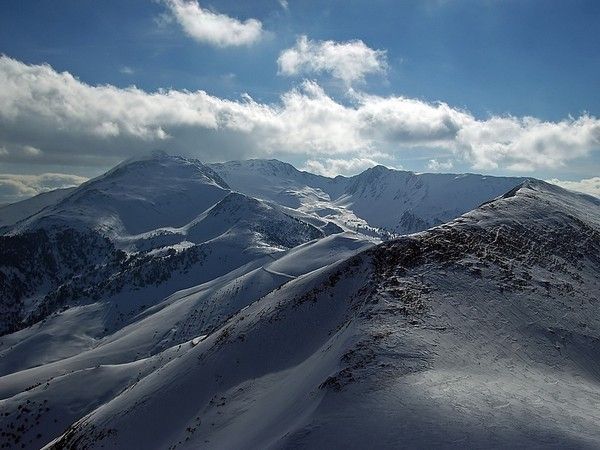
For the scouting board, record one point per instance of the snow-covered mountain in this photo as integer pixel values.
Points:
(160, 223)
(482, 331)
(379, 198)
(224, 306)
(142, 231)
(137, 196)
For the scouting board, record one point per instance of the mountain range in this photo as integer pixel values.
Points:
(175, 304)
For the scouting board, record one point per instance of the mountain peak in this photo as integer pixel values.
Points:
(267, 166)
(138, 195)
(379, 171)
(160, 164)
(533, 184)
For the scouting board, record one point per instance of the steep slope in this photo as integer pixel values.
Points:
(379, 199)
(405, 202)
(483, 331)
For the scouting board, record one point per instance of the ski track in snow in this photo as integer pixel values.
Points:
(272, 272)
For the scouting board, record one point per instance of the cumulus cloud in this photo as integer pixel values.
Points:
(409, 121)
(332, 167)
(525, 144)
(347, 61)
(15, 187)
(210, 27)
(587, 185)
(439, 166)
(28, 150)
(50, 118)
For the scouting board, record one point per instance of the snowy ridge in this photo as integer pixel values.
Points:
(377, 201)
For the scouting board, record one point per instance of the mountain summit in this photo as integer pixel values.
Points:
(136, 196)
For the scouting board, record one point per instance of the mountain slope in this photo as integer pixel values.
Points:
(160, 334)
(134, 235)
(484, 330)
(375, 201)
(15, 212)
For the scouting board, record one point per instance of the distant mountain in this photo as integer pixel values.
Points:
(143, 230)
(390, 200)
(137, 196)
(484, 329)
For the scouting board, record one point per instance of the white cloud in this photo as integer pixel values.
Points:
(332, 167)
(587, 185)
(69, 122)
(213, 28)
(126, 70)
(30, 151)
(284, 4)
(15, 187)
(20, 153)
(439, 166)
(347, 61)
(409, 121)
(525, 144)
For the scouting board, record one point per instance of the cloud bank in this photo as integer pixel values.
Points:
(347, 61)
(47, 117)
(332, 167)
(588, 186)
(210, 27)
(439, 166)
(14, 187)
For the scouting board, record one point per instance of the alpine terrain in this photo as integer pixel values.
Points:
(175, 304)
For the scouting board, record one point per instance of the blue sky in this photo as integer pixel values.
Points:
(489, 59)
